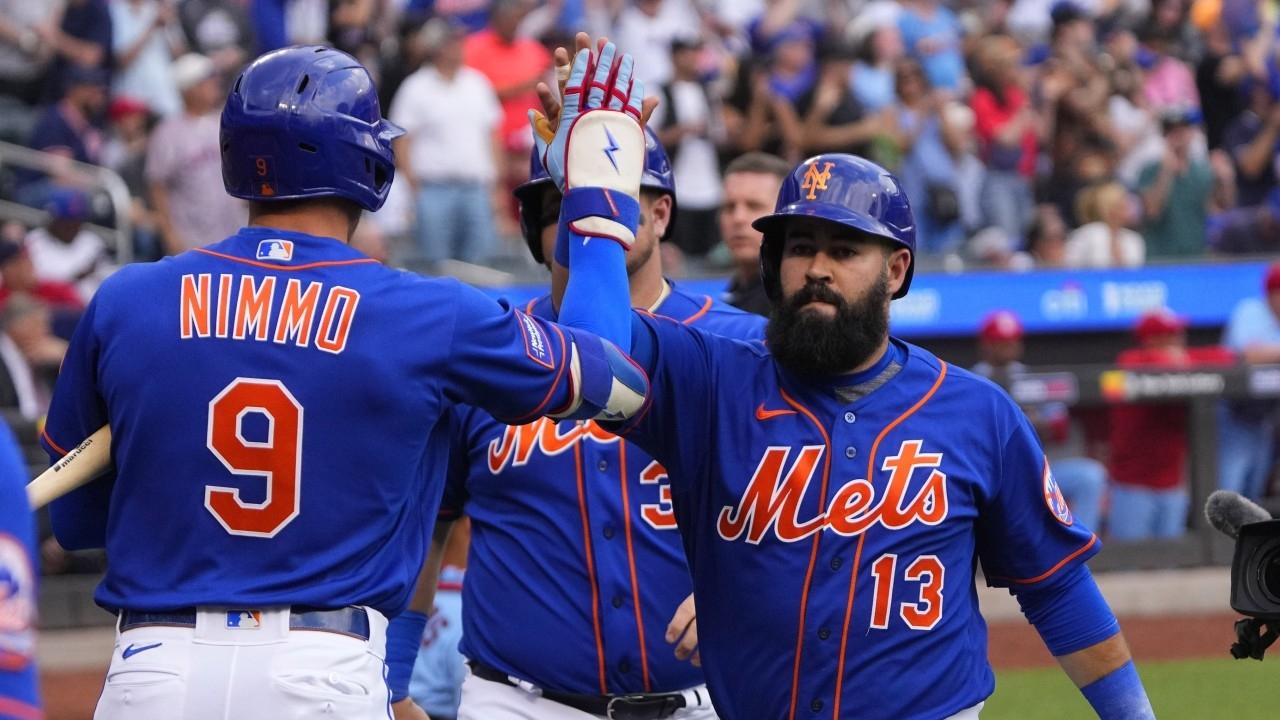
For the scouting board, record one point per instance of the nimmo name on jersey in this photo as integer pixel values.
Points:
(243, 307)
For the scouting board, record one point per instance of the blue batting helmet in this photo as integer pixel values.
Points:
(657, 176)
(304, 122)
(842, 189)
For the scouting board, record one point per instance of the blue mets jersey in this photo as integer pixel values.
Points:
(575, 566)
(274, 401)
(833, 526)
(18, 695)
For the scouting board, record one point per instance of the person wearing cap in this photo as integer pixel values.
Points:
(63, 250)
(1177, 191)
(1082, 479)
(1246, 438)
(451, 153)
(67, 127)
(146, 42)
(183, 170)
(1149, 494)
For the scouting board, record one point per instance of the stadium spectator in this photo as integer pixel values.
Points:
(648, 28)
(1248, 230)
(1246, 436)
(1047, 238)
(1176, 191)
(832, 119)
(514, 66)
(29, 358)
(218, 29)
(67, 127)
(24, 56)
(82, 40)
(751, 184)
(125, 152)
(1083, 480)
(449, 155)
(933, 34)
(759, 119)
(1008, 130)
(1252, 139)
(1105, 239)
(930, 143)
(1168, 82)
(18, 275)
(146, 42)
(690, 125)
(1149, 494)
(874, 33)
(1221, 75)
(64, 251)
(183, 169)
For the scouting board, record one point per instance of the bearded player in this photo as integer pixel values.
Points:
(836, 489)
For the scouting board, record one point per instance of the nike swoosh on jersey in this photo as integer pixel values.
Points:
(131, 650)
(762, 414)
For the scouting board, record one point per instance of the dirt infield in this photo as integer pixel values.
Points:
(71, 695)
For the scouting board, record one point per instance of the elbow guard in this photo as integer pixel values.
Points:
(606, 383)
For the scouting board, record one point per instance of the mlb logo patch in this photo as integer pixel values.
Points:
(275, 250)
(244, 619)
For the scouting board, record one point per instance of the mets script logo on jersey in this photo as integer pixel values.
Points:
(772, 499)
(1053, 497)
(815, 179)
(275, 250)
(518, 442)
(17, 603)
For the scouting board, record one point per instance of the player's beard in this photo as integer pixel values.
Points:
(809, 343)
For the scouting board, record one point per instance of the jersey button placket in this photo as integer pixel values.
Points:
(608, 531)
(816, 705)
(851, 452)
(617, 601)
(824, 633)
(849, 417)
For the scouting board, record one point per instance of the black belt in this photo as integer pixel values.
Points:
(353, 621)
(635, 706)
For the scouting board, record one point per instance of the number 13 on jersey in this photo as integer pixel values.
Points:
(278, 459)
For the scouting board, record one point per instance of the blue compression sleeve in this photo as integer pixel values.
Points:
(1119, 695)
(404, 637)
(597, 297)
(1070, 613)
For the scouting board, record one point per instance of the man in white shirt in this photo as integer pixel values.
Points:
(64, 251)
(450, 151)
(146, 40)
(689, 126)
(184, 164)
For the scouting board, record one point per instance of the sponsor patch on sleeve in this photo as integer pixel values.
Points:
(1054, 499)
(536, 343)
(17, 604)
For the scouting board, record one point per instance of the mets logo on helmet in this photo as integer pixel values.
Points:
(815, 179)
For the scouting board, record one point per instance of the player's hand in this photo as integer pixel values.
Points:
(407, 709)
(550, 100)
(683, 632)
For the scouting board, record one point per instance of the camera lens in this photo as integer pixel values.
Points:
(1269, 573)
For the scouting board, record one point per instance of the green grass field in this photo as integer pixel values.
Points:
(1184, 690)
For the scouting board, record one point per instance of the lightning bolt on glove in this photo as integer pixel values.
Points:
(596, 154)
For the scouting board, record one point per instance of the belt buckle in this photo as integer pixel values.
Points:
(652, 707)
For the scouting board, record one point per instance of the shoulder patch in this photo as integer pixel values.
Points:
(536, 343)
(1053, 498)
(17, 603)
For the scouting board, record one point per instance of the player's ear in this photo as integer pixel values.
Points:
(660, 209)
(897, 261)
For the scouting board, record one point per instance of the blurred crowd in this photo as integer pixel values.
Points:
(1027, 133)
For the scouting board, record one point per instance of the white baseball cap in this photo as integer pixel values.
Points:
(191, 69)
